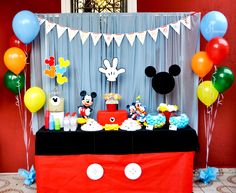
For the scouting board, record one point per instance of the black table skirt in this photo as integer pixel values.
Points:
(115, 142)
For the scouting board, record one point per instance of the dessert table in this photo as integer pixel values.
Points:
(115, 161)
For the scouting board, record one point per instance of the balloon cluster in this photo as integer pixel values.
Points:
(157, 121)
(180, 121)
(26, 27)
(213, 27)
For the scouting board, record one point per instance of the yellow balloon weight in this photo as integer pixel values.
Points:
(207, 93)
(34, 99)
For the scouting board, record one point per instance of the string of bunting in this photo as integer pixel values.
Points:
(141, 36)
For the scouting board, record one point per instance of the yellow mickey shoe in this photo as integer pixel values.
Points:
(111, 127)
(81, 120)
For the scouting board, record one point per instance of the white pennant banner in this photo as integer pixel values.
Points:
(84, 36)
(131, 38)
(118, 38)
(41, 21)
(153, 34)
(96, 37)
(60, 30)
(108, 38)
(72, 33)
(141, 36)
(187, 22)
(176, 26)
(48, 26)
(165, 30)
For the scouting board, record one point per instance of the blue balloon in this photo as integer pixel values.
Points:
(26, 26)
(213, 24)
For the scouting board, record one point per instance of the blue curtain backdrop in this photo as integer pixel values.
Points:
(85, 60)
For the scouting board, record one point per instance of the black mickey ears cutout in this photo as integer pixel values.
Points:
(163, 82)
(174, 70)
(150, 71)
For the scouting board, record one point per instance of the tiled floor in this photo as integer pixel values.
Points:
(225, 183)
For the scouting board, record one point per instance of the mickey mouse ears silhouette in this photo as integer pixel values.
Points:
(163, 82)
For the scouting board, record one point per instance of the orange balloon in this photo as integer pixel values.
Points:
(15, 60)
(201, 64)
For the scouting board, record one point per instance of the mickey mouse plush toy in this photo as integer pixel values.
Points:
(87, 101)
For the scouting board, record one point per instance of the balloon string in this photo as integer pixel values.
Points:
(215, 68)
(28, 142)
(26, 53)
(19, 109)
(209, 123)
(208, 115)
(205, 126)
(200, 80)
(213, 74)
(27, 136)
(23, 121)
(219, 102)
(30, 131)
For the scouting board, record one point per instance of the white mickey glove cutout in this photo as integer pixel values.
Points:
(111, 72)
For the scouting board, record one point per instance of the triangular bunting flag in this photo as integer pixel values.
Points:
(187, 22)
(48, 26)
(141, 36)
(60, 30)
(84, 36)
(131, 38)
(165, 30)
(108, 38)
(153, 34)
(176, 26)
(118, 38)
(41, 20)
(95, 38)
(72, 33)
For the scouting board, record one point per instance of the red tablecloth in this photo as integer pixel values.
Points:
(161, 173)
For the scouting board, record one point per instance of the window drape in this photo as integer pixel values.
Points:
(85, 60)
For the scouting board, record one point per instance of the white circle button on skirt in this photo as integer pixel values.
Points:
(133, 171)
(95, 171)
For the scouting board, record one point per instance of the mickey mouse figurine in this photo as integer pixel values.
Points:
(132, 111)
(87, 101)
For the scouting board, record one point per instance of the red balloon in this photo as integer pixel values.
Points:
(15, 42)
(217, 49)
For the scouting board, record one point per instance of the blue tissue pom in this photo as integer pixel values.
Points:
(156, 121)
(29, 176)
(180, 121)
(207, 175)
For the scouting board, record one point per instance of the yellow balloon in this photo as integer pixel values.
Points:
(34, 99)
(207, 93)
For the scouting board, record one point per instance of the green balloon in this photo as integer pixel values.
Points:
(13, 82)
(222, 78)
